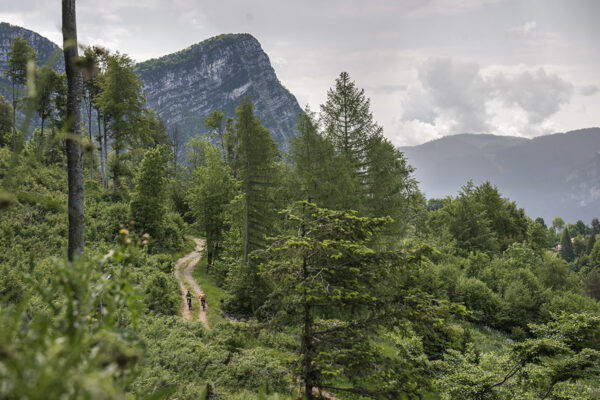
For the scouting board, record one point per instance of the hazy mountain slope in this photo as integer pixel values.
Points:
(549, 176)
(184, 87)
(47, 52)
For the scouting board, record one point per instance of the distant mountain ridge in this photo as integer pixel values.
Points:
(549, 176)
(184, 87)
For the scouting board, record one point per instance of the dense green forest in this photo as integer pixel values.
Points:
(325, 266)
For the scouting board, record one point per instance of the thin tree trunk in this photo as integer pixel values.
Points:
(73, 143)
(14, 118)
(247, 215)
(102, 170)
(41, 149)
(92, 154)
(104, 123)
(307, 339)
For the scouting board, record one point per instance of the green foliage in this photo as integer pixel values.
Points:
(566, 251)
(213, 187)
(148, 202)
(57, 347)
(562, 353)
(6, 124)
(330, 288)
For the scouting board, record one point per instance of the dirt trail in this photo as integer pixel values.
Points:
(183, 273)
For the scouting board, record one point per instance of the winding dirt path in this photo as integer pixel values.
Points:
(183, 273)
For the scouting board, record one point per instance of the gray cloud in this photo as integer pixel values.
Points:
(589, 90)
(458, 94)
(538, 94)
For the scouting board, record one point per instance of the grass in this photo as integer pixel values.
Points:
(214, 294)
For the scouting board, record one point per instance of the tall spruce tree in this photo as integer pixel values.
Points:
(313, 160)
(566, 251)
(73, 141)
(391, 187)
(255, 155)
(338, 295)
(347, 118)
(19, 55)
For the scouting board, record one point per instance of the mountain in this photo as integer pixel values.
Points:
(549, 176)
(47, 51)
(184, 87)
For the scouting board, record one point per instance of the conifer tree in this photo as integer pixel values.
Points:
(255, 155)
(391, 187)
(313, 160)
(5, 122)
(566, 245)
(19, 55)
(212, 188)
(335, 292)
(347, 118)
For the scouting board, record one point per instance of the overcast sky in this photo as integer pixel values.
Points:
(430, 67)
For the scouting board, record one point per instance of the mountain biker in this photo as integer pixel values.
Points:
(189, 299)
(203, 300)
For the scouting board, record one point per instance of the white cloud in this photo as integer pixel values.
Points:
(589, 90)
(457, 97)
(522, 31)
(538, 94)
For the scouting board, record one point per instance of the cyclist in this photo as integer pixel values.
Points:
(203, 301)
(189, 299)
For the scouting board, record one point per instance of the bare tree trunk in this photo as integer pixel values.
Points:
(14, 118)
(92, 154)
(247, 216)
(41, 144)
(104, 123)
(102, 170)
(73, 142)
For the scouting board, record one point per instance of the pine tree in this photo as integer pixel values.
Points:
(391, 187)
(347, 119)
(313, 164)
(335, 292)
(254, 163)
(5, 122)
(19, 55)
(566, 245)
(255, 155)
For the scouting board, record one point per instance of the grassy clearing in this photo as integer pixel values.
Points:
(214, 294)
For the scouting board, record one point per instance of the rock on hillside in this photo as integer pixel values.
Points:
(186, 86)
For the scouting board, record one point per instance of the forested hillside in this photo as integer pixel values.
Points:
(549, 176)
(328, 273)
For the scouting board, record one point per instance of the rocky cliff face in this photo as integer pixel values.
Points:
(47, 52)
(184, 87)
